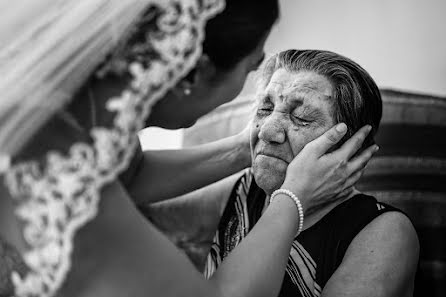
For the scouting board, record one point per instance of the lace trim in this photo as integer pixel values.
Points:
(56, 198)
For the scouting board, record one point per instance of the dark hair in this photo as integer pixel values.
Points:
(229, 36)
(356, 97)
(237, 30)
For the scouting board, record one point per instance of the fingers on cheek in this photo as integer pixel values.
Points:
(359, 141)
(342, 170)
(341, 165)
(366, 158)
(364, 163)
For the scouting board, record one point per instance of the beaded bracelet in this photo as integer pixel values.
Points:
(296, 200)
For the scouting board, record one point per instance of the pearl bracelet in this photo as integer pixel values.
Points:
(296, 200)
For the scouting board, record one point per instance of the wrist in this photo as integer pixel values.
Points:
(299, 192)
(286, 210)
(287, 194)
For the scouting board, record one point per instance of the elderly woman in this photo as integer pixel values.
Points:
(354, 247)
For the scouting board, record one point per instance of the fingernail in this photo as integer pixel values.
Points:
(341, 128)
(369, 128)
(376, 148)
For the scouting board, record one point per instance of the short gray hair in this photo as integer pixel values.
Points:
(356, 97)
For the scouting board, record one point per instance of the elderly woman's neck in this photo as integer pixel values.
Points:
(316, 216)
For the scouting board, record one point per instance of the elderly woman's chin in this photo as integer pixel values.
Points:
(268, 178)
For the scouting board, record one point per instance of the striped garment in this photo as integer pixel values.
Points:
(316, 252)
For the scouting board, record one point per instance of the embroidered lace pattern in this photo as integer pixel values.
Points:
(59, 195)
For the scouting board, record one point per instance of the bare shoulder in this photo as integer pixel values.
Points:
(391, 230)
(380, 261)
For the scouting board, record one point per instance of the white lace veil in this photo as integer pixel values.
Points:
(39, 36)
(44, 57)
(48, 49)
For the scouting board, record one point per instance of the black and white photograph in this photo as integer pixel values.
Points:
(222, 148)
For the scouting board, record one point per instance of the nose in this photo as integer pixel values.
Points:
(272, 129)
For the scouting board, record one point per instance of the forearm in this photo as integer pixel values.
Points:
(257, 265)
(123, 267)
(169, 173)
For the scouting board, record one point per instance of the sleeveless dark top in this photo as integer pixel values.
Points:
(316, 253)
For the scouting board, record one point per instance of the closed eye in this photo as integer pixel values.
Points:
(300, 121)
(265, 110)
(265, 106)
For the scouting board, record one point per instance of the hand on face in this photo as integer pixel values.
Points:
(291, 134)
(318, 177)
(294, 109)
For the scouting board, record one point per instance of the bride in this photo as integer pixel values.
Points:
(79, 80)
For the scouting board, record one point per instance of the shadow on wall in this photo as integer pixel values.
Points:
(409, 171)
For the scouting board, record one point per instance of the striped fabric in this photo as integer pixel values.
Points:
(315, 254)
(301, 268)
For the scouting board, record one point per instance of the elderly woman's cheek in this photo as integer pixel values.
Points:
(256, 125)
(299, 136)
(253, 136)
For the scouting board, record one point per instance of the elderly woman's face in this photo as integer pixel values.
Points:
(294, 109)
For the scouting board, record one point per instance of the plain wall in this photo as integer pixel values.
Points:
(401, 43)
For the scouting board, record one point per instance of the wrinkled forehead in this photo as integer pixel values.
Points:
(288, 86)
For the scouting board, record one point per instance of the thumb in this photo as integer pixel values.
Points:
(323, 143)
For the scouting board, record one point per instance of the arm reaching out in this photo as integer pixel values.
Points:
(127, 256)
(169, 173)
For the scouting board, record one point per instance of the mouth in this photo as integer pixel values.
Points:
(271, 155)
